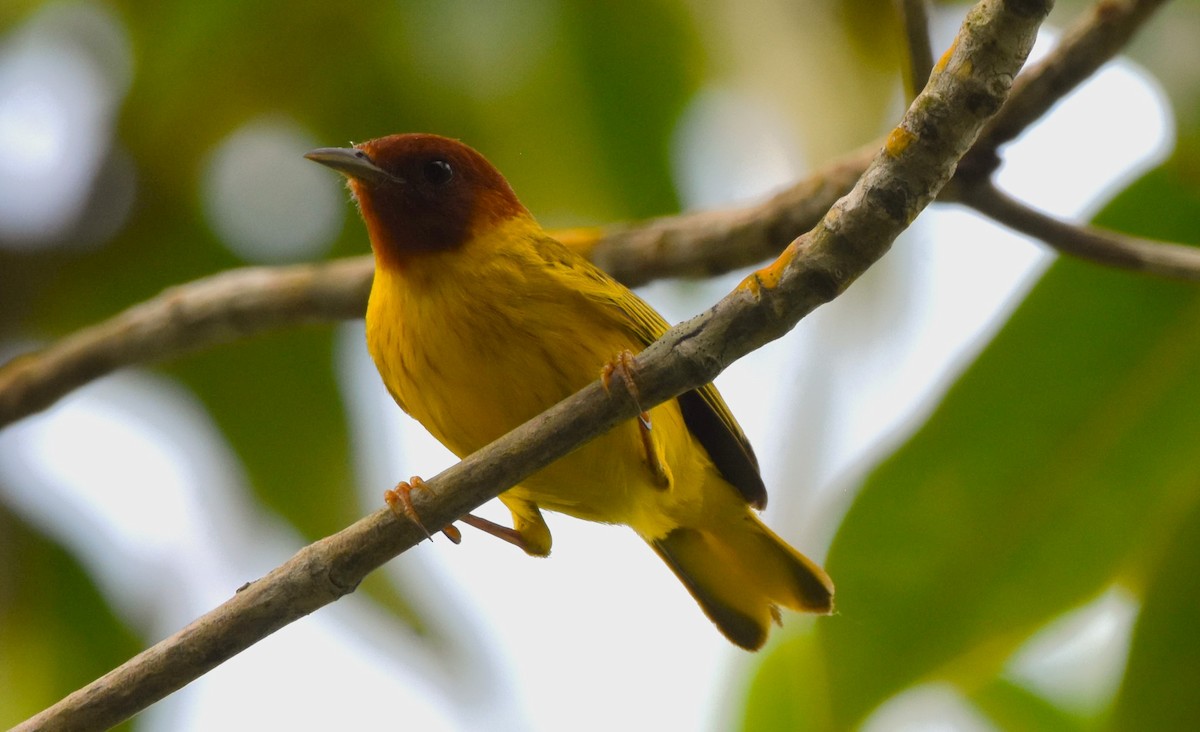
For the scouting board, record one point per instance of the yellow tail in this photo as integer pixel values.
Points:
(741, 573)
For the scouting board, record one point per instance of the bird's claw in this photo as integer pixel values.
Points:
(624, 366)
(399, 499)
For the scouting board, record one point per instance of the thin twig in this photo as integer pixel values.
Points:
(1103, 247)
(914, 16)
(1092, 41)
(903, 178)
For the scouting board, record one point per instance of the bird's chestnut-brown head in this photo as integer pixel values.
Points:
(421, 193)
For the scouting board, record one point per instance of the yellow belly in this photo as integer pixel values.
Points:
(472, 357)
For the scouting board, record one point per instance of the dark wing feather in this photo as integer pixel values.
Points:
(710, 420)
(704, 411)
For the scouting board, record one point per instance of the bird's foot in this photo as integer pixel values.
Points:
(399, 499)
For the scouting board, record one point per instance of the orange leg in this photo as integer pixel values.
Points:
(623, 365)
(661, 477)
(512, 536)
(399, 499)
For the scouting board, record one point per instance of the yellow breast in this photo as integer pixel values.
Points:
(472, 344)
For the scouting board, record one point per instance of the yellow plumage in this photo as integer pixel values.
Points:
(474, 337)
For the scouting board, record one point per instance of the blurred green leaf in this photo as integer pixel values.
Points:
(1044, 474)
(284, 421)
(1011, 706)
(789, 688)
(1159, 689)
(58, 632)
(874, 28)
(635, 113)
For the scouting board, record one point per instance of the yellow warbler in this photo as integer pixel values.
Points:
(478, 320)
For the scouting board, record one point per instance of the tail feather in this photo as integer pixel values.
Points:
(741, 573)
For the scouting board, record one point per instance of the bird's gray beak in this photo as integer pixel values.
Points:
(350, 162)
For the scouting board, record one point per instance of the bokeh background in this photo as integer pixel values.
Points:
(995, 451)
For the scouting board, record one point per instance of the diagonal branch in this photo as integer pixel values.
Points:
(971, 83)
(1092, 41)
(1103, 247)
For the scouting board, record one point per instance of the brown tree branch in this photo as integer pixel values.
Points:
(241, 303)
(707, 243)
(214, 310)
(1092, 41)
(713, 242)
(1086, 46)
(1142, 255)
(904, 177)
(244, 302)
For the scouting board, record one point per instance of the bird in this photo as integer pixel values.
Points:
(479, 320)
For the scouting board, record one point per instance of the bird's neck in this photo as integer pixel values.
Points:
(423, 268)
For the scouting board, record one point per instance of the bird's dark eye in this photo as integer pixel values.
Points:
(438, 172)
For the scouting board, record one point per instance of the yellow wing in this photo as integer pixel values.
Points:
(704, 411)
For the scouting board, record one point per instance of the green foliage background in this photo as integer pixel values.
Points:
(1062, 463)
